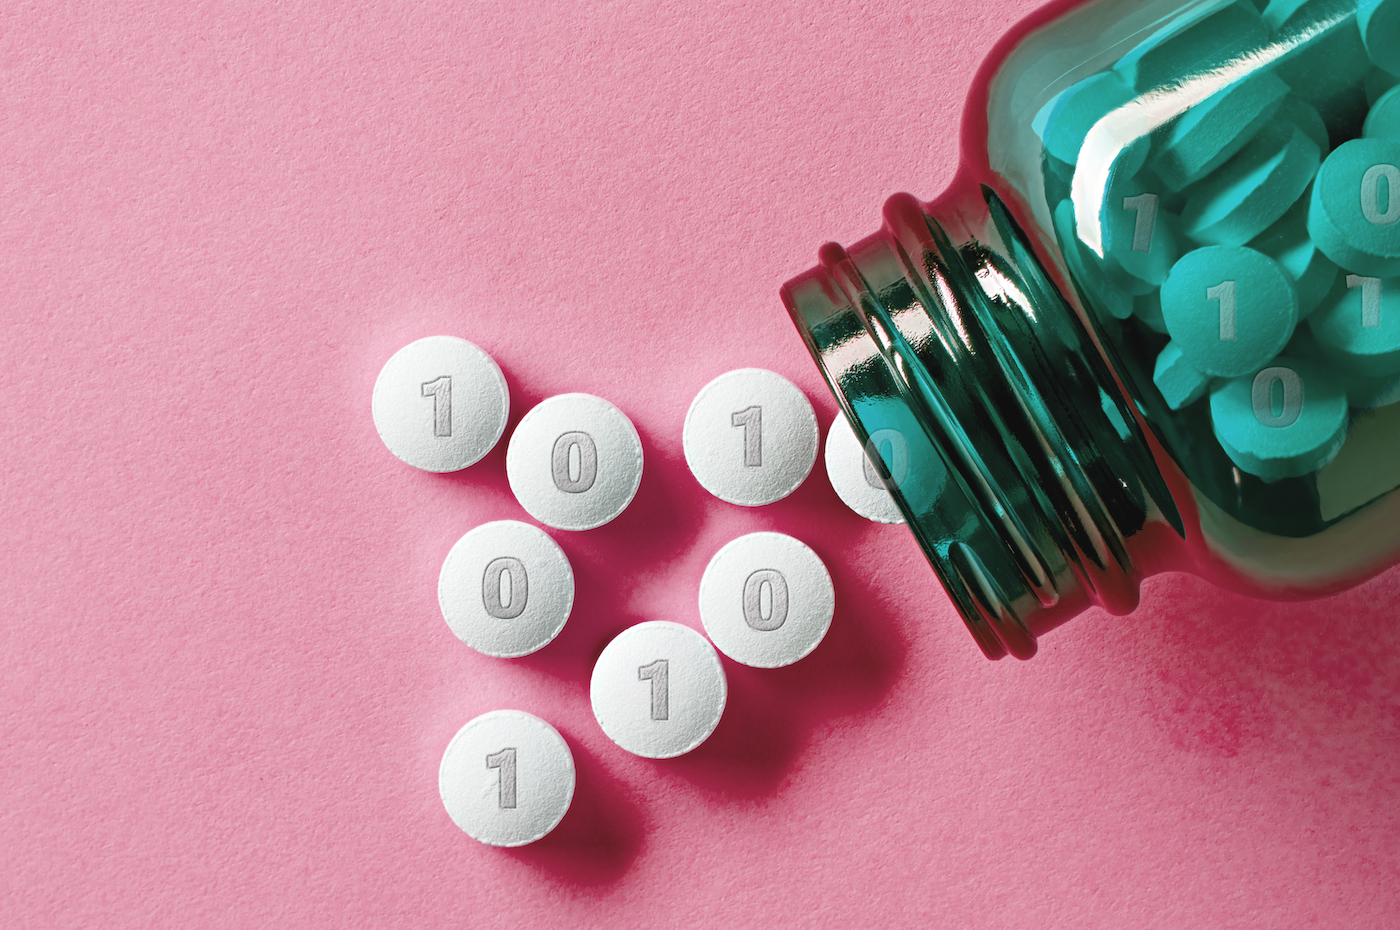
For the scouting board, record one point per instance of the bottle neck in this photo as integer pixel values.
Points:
(1004, 437)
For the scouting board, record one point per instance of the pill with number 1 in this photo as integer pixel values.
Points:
(574, 462)
(750, 437)
(507, 778)
(440, 403)
(658, 689)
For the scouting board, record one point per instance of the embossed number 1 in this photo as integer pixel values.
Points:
(658, 673)
(751, 419)
(1146, 207)
(1225, 293)
(505, 761)
(440, 391)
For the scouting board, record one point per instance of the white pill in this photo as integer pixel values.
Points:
(574, 462)
(440, 403)
(766, 600)
(507, 778)
(750, 437)
(853, 475)
(506, 589)
(658, 689)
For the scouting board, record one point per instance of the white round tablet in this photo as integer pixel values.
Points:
(750, 437)
(574, 462)
(766, 600)
(853, 475)
(658, 689)
(440, 403)
(507, 778)
(506, 589)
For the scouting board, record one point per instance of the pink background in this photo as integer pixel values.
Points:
(226, 683)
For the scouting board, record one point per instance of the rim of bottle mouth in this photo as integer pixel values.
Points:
(1024, 473)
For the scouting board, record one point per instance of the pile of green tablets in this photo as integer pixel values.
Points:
(1260, 230)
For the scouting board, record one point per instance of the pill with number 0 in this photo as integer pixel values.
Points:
(766, 600)
(440, 403)
(854, 477)
(506, 589)
(1354, 216)
(658, 689)
(574, 462)
(507, 778)
(750, 437)
(1283, 421)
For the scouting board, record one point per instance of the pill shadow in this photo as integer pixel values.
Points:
(771, 713)
(601, 835)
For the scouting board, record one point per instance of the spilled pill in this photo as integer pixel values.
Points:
(766, 600)
(658, 689)
(507, 778)
(574, 462)
(854, 476)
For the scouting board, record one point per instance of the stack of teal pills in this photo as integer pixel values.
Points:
(1257, 230)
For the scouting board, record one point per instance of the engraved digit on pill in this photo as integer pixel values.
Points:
(751, 419)
(658, 673)
(574, 462)
(771, 582)
(1262, 396)
(1370, 298)
(505, 588)
(890, 449)
(1146, 207)
(440, 390)
(504, 762)
(1371, 194)
(1225, 293)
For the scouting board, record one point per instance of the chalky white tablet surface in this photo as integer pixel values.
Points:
(853, 475)
(507, 778)
(574, 462)
(658, 689)
(506, 589)
(440, 403)
(766, 600)
(750, 437)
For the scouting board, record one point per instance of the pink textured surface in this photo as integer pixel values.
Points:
(226, 685)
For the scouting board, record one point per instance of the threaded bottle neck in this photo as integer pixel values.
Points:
(1023, 474)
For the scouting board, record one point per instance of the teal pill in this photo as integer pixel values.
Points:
(1148, 308)
(1218, 127)
(1286, 420)
(1288, 243)
(1251, 191)
(1383, 122)
(1305, 116)
(1354, 214)
(1324, 64)
(1360, 332)
(1069, 116)
(1180, 382)
(1137, 235)
(1087, 269)
(1379, 22)
(1229, 308)
(1202, 38)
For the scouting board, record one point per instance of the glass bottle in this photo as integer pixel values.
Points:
(1078, 367)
